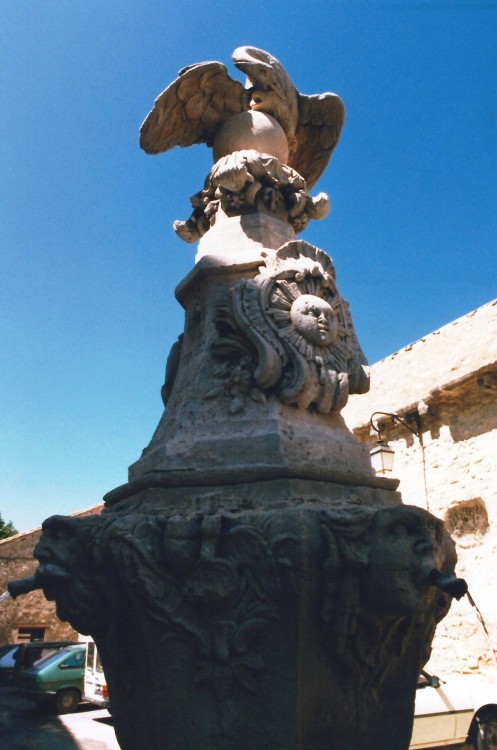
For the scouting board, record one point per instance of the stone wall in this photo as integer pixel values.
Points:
(30, 610)
(448, 381)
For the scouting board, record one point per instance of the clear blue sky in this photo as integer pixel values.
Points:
(89, 259)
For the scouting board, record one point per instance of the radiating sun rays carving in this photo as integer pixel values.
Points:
(298, 331)
(310, 316)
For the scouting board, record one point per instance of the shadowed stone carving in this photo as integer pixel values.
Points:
(467, 517)
(220, 588)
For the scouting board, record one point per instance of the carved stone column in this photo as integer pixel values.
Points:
(254, 586)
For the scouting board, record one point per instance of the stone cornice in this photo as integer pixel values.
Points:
(453, 366)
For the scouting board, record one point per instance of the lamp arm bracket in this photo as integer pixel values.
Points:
(378, 425)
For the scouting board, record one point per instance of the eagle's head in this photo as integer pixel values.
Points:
(272, 91)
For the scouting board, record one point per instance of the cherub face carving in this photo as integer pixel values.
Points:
(314, 319)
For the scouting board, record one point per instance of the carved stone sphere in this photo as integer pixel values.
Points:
(251, 130)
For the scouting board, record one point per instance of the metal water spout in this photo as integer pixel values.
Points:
(455, 587)
(42, 574)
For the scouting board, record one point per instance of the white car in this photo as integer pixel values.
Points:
(453, 712)
(95, 688)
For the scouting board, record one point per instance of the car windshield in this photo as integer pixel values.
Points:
(48, 657)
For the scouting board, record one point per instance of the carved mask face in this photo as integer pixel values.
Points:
(314, 319)
(404, 546)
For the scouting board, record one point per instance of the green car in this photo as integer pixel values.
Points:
(56, 678)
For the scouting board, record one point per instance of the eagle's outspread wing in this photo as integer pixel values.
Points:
(193, 108)
(320, 122)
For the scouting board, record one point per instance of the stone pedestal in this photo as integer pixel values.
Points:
(225, 421)
(254, 586)
(275, 614)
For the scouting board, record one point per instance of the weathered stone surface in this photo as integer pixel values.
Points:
(247, 182)
(243, 359)
(447, 362)
(292, 627)
(251, 130)
(155, 493)
(241, 239)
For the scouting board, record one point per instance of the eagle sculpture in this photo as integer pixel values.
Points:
(204, 97)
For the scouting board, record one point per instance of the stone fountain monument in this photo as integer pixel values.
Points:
(254, 585)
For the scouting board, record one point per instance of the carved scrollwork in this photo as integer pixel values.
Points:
(295, 331)
(247, 181)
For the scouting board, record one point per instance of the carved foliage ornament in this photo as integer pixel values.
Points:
(299, 330)
(247, 181)
(206, 580)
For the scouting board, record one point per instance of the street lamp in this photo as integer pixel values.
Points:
(381, 454)
(382, 457)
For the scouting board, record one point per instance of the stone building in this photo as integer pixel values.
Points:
(29, 617)
(447, 383)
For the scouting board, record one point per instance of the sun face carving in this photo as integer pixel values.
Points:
(309, 314)
(314, 318)
(305, 350)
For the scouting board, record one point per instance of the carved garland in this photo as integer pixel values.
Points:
(247, 181)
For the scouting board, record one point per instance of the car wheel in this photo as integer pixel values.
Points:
(486, 732)
(67, 701)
